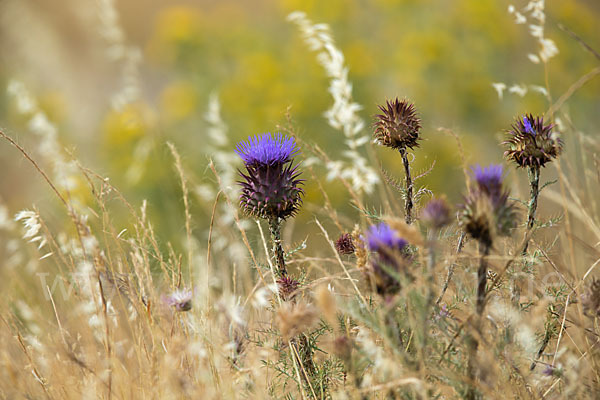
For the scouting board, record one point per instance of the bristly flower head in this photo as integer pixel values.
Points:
(345, 244)
(288, 287)
(267, 150)
(531, 143)
(271, 186)
(389, 259)
(486, 212)
(398, 126)
(489, 179)
(436, 213)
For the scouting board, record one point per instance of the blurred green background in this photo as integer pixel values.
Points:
(443, 55)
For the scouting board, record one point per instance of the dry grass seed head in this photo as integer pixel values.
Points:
(293, 319)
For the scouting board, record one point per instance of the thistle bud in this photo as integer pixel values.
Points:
(345, 244)
(398, 126)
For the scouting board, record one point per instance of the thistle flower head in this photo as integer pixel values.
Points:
(486, 212)
(271, 185)
(398, 126)
(531, 143)
(180, 300)
(389, 258)
(489, 179)
(345, 244)
(267, 150)
(436, 213)
(287, 287)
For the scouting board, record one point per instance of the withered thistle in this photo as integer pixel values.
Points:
(398, 127)
(531, 144)
(271, 185)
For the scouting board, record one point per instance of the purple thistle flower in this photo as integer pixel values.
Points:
(180, 299)
(389, 258)
(271, 186)
(531, 143)
(436, 213)
(267, 149)
(486, 212)
(489, 178)
(382, 236)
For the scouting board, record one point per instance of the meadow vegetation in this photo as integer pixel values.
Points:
(262, 260)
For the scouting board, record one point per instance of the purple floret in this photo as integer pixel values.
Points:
(382, 236)
(489, 178)
(267, 149)
(527, 125)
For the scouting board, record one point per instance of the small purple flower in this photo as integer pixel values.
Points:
(180, 299)
(381, 236)
(267, 149)
(443, 313)
(436, 213)
(389, 259)
(527, 125)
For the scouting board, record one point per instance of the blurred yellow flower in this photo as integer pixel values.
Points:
(123, 127)
(178, 101)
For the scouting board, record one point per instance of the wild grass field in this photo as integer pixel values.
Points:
(299, 200)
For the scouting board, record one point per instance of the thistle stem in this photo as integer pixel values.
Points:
(472, 342)
(534, 183)
(409, 187)
(275, 229)
(484, 249)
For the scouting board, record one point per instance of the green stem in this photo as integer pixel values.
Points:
(409, 187)
(275, 229)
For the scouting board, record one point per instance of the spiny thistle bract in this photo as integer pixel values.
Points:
(398, 126)
(486, 212)
(390, 255)
(270, 188)
(530, 143)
